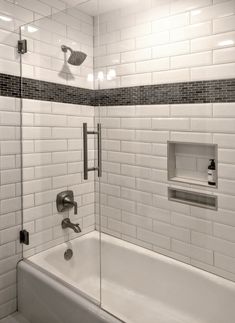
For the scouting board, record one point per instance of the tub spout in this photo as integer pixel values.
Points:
(66, 223)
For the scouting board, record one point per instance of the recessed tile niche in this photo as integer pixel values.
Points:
(188, 162)
(193, 198)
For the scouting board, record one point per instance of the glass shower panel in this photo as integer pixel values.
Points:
(57, 85)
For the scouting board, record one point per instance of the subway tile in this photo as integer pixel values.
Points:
(212, 12)
(224, 110)
(219, 245)
(184, 61)
(36, 186)
(153, 238)
(136, 123)
(155, 110)
(151, 161)
(171, 22)
(110, 189)
(153, 212)
(224, 232)
(171, 124)
(193, 252)
(186, 5)
(213, 42)
(213, 125)
(153, 65)
(10, 176)
(121, 203)
(135, 171)
(171, 49)
(36, 159)
(137, 55)
(153, 13)
(7, 133)
(10, 205)
(224, 24)
(136, 220)
(224, 140)
(134, 147)
(171, 231)
(122, 46)
(224, 55)
(134, 195)
(121, 180)
(122, 227)
(191, 31)
(66, 180)
(7, 220)
(50, 145)
(136, 80)
(151, 187)
(224, 262)
(37, 212)
(36, 133)
(136, 31)
(151, 40)
(37, 6)
(171, 76)
(191, 223)
(191, 110)
(49, 120)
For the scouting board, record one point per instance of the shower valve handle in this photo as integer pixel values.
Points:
(65, 201)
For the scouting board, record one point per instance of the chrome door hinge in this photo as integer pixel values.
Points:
(22, 46)
(24, 237)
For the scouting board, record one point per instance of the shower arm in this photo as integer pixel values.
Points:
(66, 48)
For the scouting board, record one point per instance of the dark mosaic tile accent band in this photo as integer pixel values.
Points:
(174, 93)
(9, 85)
(45, 91)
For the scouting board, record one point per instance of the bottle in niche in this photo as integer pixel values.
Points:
(212, 173)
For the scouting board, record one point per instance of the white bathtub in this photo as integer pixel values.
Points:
(138, 286)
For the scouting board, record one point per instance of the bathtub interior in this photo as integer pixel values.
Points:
(82, 271)
(138, 285)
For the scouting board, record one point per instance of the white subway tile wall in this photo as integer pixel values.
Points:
(10, 201)
(165, 42)
(145, 44)
(52, 162)
(135, 204)
(45, 59)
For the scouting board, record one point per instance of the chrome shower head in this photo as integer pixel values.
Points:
(76, 58)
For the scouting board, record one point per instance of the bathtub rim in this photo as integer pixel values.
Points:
(107, 238)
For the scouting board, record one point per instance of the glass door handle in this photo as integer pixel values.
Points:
(99, 147)
(85, 150)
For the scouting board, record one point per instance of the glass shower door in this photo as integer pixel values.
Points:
(58, 202)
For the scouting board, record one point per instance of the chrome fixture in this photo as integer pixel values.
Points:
(66, 223)
(65, 201)
(76, 58)
(85, 150)
(68, 254)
